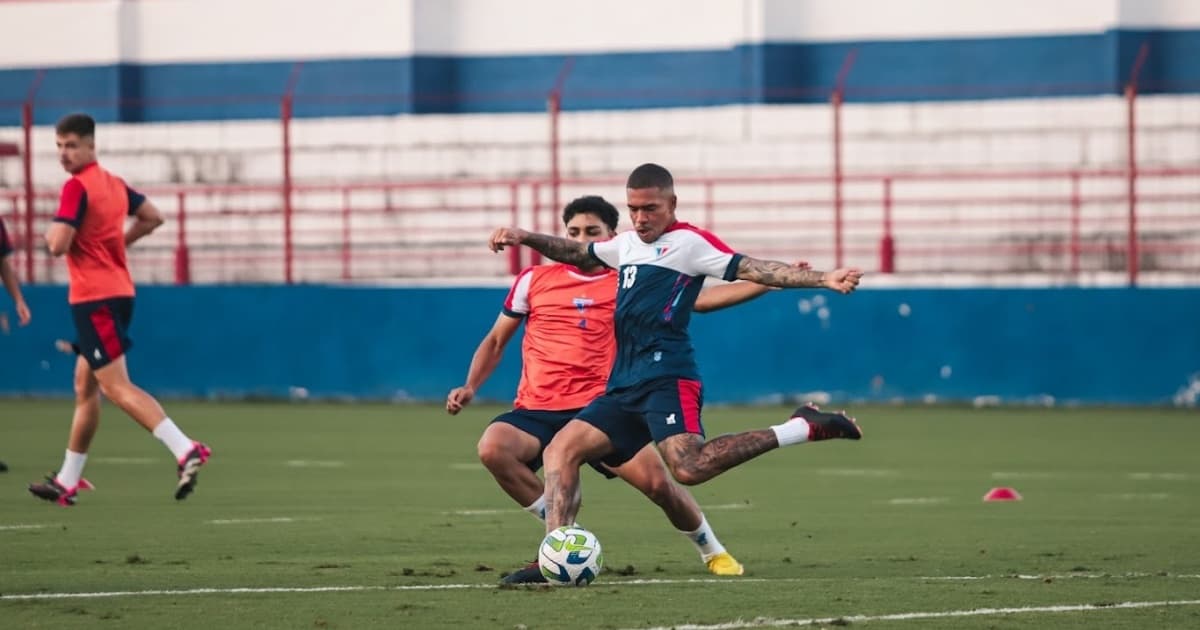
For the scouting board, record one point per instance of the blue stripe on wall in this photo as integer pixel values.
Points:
(948, 69)
(1089, 345)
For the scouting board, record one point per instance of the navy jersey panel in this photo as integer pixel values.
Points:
(657, 287)
(651, 325)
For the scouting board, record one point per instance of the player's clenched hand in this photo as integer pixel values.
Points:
(459, 397)
(842, 280)
(504, 237)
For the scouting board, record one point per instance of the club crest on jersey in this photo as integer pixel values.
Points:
(659, 252)
(582, 304)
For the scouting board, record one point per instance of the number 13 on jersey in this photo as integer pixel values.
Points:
(630, 275)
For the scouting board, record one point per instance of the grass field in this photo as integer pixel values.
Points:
(380, 516)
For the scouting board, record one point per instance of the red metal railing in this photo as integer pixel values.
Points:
(1062, 222)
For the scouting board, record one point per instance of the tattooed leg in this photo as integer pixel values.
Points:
(693, 461)
(576, 443)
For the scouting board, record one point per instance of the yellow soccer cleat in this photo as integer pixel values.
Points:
(724, 564)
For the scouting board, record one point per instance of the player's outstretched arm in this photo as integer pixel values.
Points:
(147, 218)
(776, 274)
(552, 247)
(483, 363)
(9, 276)
(726, 295)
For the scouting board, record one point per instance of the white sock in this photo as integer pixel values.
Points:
(72, 469)
(537, 509)
(169, 434)
(705, 540)
(794, 431)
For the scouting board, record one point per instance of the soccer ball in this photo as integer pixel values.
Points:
(570, 556)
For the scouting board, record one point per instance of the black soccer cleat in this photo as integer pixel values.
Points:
(529, 574)
(54, 492)
(828, 426)
(189, 470)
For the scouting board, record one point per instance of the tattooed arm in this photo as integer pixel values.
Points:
(776, 274)
(552, 247)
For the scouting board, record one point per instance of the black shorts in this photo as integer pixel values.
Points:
(543, 425)
(651, 411)
(102, 329)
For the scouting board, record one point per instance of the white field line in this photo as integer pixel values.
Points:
(1027, 475)
(4, 528)
(314, 463)
(444, 587)
(253, 521)
(127, 460)
(763, 622)
(728, 506)
(917, 501)
(483, 512)
(326, 589)
(1135, 496)
(858, 472)
(1169, 476)
(1062, 576)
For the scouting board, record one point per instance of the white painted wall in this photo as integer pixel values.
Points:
(51, 33)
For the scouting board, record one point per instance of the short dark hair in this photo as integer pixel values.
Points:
(81, 125)
(594, 205)
(650, 176)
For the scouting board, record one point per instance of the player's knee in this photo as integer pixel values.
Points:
(686, 474)
(492, 455)
(561, 454)
(87, 398)
(122, 394)
(86, 391)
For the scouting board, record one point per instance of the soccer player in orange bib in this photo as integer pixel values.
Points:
(89, 228)
(567, 354)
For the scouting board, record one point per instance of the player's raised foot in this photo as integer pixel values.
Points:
(827, 426)
(528, 574)
(53, 491)
(189, 469)
(724, 564)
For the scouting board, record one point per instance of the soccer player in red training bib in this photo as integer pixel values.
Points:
(9, 276)
(567, 353)
(654, 392)
(89, 228)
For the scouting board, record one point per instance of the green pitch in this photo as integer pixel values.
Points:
(380, 516)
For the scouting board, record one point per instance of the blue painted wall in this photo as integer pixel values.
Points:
(776, 72)
(1091, 345)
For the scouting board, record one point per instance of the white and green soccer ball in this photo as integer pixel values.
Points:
(570, 556)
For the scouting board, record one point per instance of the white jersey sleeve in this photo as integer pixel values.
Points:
(517, 302)
(608, 252)
(707, 255)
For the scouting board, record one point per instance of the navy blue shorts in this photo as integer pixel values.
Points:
(102, 327)
(543, 425)
(648, 412)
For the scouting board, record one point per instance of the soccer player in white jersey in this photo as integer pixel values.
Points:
(654, 392)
